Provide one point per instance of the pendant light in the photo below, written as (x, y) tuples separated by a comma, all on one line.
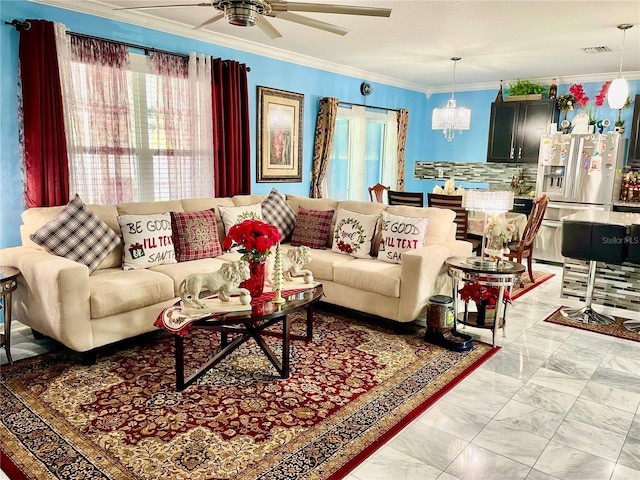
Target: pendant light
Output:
[(619, 88), (451, 117)]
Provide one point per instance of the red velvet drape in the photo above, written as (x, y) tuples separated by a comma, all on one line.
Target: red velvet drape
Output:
[(231, 143), (45, 145)]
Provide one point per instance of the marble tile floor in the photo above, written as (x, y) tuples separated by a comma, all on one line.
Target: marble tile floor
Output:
[(554, 403)]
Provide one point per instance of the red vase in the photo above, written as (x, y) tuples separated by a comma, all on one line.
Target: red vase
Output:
[(255, 283)]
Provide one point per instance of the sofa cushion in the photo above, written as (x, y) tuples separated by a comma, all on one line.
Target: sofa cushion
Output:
[(276, 211), (115, 291), (313, 228), (441, 221), (177, 272), (369, 275), (324, 261), (400, 234), (147, 239), (367, 208), (233, 215), (143, 208), (78, 234), (199, 204), (195, 235), (354, 233), (244, 200)]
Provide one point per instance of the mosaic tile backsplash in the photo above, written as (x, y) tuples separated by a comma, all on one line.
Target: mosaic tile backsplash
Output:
[(499, 176)]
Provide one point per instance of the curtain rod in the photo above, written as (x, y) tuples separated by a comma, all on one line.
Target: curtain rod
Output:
[(26, 26), (368, 106)]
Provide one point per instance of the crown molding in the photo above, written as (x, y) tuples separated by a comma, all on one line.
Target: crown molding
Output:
[(145, 20), (582, 78)]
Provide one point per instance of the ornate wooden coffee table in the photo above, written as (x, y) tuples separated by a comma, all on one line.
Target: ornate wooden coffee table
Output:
[(244, 325)]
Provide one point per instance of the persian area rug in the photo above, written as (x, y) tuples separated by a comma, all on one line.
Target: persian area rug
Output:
[(615, 329), (539, 277), (352, 388)]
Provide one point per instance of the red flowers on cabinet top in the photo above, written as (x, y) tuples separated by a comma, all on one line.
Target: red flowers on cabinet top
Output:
[(254, 236)]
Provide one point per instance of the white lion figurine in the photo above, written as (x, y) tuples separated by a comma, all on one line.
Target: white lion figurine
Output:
[(294, 260), (224, 282)]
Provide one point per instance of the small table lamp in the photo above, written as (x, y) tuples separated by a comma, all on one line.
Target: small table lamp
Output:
[(486, 201)]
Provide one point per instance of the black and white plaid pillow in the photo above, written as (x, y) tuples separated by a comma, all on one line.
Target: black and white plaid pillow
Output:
[(276, 211), (77, 234)]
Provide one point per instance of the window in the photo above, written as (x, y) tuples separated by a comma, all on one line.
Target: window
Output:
[(137, 131), (364, 153)]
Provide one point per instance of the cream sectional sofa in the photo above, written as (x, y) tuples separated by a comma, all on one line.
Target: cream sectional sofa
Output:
[(59, 298)]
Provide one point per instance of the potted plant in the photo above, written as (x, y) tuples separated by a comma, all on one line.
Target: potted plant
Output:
[(485, 299), (525, 90)]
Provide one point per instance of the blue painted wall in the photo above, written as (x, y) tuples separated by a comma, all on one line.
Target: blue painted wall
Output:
[(423, 144)]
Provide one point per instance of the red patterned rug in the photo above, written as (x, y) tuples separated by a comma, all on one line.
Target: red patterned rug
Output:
[(352, 388), (539, 277), (615, 329)]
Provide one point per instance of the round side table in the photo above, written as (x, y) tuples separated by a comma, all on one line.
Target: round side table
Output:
[(505, 275), (8, 283)]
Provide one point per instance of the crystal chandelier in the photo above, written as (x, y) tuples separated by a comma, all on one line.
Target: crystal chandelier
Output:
[(451, 117)]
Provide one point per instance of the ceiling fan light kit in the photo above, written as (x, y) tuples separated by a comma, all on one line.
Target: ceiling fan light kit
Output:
[(244, 13), (451, 117), (247, 13), (619, 88)]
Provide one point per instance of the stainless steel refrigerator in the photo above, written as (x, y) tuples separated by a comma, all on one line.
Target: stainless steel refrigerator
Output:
[(577, 172)]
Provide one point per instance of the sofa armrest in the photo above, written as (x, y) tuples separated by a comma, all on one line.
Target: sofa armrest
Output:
[(52, 295), (420, 271)]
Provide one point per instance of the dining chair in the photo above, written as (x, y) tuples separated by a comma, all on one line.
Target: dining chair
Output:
[(524, 247), (454, 202), (378, 189), (414, 199)]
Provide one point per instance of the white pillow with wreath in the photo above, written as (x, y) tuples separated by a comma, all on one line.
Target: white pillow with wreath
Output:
[(354, 233)]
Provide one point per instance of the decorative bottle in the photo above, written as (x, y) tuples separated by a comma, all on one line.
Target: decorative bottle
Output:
[(499, 96), (553, 90)]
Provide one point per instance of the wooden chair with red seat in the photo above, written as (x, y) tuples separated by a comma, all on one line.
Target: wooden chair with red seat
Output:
[(524, 248), (378, 189)]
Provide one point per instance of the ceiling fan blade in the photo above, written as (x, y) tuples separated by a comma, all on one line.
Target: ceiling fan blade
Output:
[(214, 19), (148, 7), (282, 6), (266, 26), (312, 22)]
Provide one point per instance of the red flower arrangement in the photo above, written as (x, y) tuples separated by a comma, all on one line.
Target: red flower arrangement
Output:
[(482, 295), (254, 236), (577, 91)]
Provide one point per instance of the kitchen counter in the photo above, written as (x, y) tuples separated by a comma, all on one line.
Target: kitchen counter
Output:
[(626, 207), (602, 217), (615, 285)]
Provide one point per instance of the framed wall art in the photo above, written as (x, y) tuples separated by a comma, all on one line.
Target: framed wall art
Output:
[(280, 129)]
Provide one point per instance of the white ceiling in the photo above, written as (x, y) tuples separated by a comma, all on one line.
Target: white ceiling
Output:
[(412, 48)]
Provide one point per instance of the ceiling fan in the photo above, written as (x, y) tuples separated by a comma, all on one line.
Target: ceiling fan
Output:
[(247, 13)]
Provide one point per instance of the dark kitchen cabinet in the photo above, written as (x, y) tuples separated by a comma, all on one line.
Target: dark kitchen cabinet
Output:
[(633, 160), (515, 130)]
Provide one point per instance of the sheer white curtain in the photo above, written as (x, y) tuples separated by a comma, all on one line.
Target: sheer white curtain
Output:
[(99, 127), (182, 143), (390, 153)]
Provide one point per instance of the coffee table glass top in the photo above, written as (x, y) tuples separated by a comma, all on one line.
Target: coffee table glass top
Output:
[(265, 309)]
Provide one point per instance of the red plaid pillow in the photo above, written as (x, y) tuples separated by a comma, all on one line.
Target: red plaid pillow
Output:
[(195, 235), (312, 228)]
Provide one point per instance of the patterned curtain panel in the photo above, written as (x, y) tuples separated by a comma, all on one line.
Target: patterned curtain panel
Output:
[(231, 138), (45, 147), (183, 149), (403, 125), (325, 129), (98, 117)]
